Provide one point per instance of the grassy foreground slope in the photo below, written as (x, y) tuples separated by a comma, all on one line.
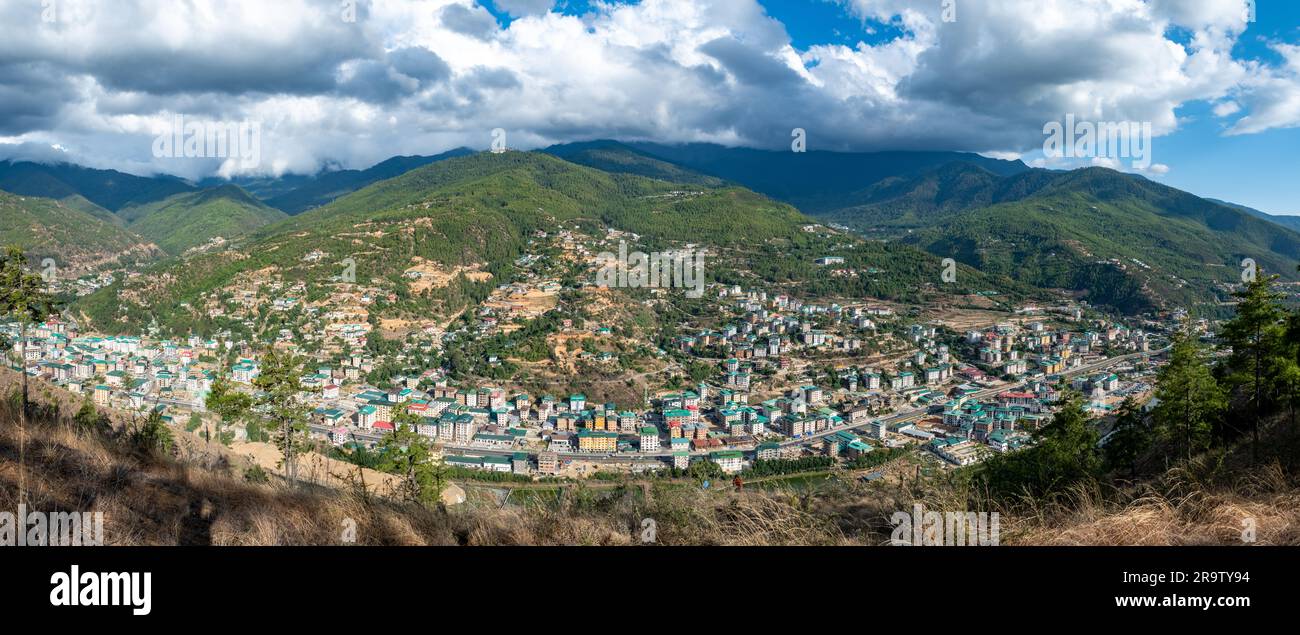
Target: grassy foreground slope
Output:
[(198, 494)]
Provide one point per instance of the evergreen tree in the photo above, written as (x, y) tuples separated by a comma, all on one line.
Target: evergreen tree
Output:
[(1191, 401), (150, 433), (280, 382), (1288, 379), (229, 404), (1129, 440), (88, 417), (1256, 337), (1064, 453), (23, 296), (406, 452)]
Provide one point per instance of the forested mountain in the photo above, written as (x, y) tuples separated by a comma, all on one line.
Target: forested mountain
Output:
[(482, 210), (1287, 221), (1122, 240), (191, 219), (816, 182), (613, 156), (75, 239), (1118, 240), (109, 189), (318, 190)]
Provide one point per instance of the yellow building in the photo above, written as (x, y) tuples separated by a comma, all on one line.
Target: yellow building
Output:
[(597, 441)]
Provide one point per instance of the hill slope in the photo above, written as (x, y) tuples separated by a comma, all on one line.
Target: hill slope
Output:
[(1124, 241), (613, 156), (199, 496), (75, 239), (109, 189), (481, 210), (1289, 222), (325, 187), (191, 219), (817, 182)]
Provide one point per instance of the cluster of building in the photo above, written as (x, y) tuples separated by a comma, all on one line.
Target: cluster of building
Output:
[(961, 396)]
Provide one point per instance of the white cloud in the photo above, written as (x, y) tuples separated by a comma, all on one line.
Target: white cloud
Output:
[(422, 76), (1226, 108), (1272, 95)]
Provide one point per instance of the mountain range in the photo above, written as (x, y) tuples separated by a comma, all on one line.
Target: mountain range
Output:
[(1114, 239)]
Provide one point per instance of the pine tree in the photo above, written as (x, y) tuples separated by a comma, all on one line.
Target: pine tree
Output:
[(406, 452), (88, 417), (1191, 401), (228, 404), (1288, 377), (1130, 438), (23, 296), (1256, 337), (280, 382), (1064, 453)]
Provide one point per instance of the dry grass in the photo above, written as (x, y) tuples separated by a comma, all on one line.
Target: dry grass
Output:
[(187, 497), (1180, 508), (194, 497)]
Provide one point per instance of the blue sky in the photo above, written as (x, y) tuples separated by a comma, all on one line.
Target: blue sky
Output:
[(1258, 170)]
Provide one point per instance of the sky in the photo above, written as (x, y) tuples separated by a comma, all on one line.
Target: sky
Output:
[(1215, 84)]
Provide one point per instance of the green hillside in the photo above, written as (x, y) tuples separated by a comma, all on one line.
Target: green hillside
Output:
[(482, 210), (109, 189), (612, 156), (1287, 221), (816, 181), (323, 188), (188, 220), (48, 228), (79, 202), (1118, 240)]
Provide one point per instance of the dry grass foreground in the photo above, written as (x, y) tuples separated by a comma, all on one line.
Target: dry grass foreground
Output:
[(189, 498)]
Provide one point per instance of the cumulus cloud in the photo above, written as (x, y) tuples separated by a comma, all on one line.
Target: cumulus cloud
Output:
[(421, 76), (471, 20), (520, 8), (1272, 95)]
